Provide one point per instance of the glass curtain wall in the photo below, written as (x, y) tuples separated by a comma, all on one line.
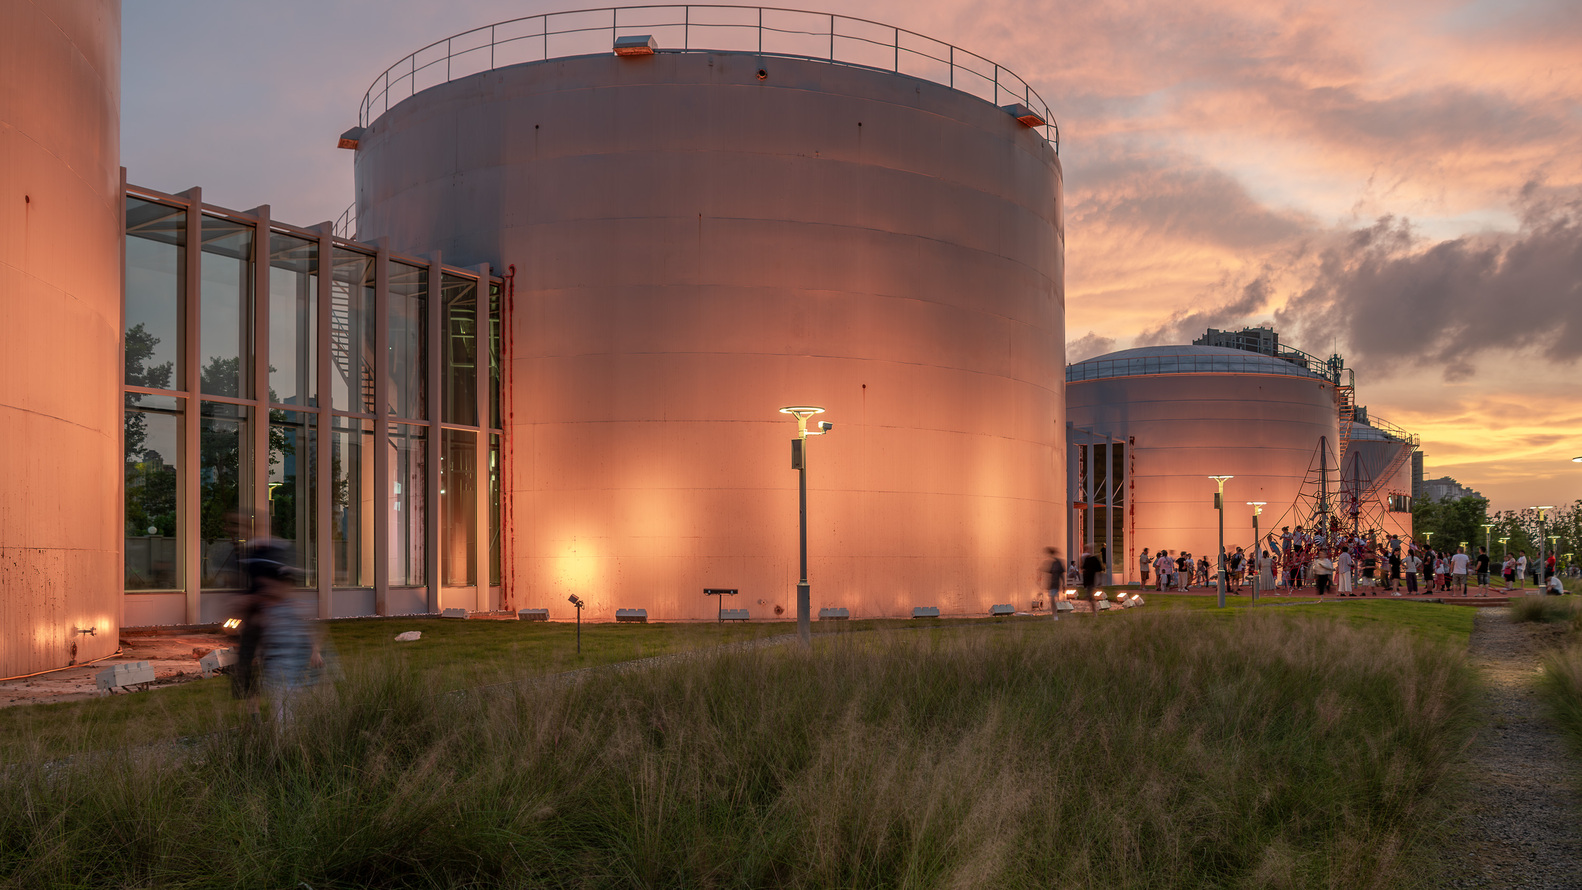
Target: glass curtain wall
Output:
[(156, 244), (204, 333), (351, 501), (408, 505), (460, 405), (154, 488), (459, 508)]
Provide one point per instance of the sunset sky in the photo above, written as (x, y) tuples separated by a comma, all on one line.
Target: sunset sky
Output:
[(1398, 182)]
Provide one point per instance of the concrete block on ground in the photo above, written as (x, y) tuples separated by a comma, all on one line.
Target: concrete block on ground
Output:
[(532, 614), (834, 614), (639, 616), (411, 636), (211, 663), (121, 676), (925, 611), (1002, 609), (733, 614), (453, 613)]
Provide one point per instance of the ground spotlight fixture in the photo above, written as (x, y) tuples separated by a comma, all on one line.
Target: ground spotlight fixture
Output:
[(233, 623), (574, 601)]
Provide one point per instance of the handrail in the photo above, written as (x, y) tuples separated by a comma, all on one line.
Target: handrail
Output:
[(346, 224), (1391, 430), (790, 33)]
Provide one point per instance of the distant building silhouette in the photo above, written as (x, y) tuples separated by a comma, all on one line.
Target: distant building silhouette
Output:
[(1444, 489), (1264, 341)]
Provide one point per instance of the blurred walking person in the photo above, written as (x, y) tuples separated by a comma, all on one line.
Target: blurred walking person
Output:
[(1053, 578)]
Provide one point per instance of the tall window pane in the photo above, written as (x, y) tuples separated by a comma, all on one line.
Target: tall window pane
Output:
[(292, 499), (293, 319), (156, 239), (227, 308), (351, 494), (408, 504), (352, 307), (460, 374), (459, 506), (494, 510), (408, 340), (224, 468), (494, 356), (153, 492)]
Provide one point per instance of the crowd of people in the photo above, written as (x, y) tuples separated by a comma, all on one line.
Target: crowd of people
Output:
[(1346, 565)]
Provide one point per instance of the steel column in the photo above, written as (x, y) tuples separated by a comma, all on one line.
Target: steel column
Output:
[(323, 481), (381, 371), (192, 383), (480, 453), (432, 382)]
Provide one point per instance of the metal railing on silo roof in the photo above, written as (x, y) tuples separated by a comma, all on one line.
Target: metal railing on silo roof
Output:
[(762, 30)]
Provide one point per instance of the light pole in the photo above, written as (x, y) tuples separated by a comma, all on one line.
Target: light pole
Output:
[(1540, 572), (1488, 543), (1428, 537), (1504, 550), (1219, 504), (577, 601), (1257, 547), (804, 627)]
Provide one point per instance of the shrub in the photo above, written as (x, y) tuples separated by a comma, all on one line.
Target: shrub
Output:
[(1544, 609)]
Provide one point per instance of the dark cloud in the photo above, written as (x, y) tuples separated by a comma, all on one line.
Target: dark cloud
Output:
[(1396, 299), (1185, 325), (1087, 346), (1177, 198)]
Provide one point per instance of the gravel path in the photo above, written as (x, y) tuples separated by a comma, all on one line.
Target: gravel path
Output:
[(1524, 826)]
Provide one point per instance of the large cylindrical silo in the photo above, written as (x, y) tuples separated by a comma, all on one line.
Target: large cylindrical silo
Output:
[(1191, 412), (701, 238), (60, 283)]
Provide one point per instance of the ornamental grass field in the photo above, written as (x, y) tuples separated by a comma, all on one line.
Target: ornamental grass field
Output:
[(1269, 749)]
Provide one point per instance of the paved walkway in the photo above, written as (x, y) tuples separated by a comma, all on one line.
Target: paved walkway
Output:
[(1524, 828)]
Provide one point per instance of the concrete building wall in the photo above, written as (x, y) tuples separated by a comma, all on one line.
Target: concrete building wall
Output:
[(697, 246), (1262, 429), (60, 330)]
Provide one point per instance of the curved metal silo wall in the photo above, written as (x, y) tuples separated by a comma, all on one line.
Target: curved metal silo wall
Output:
[(697, 247), (60, 299), (1264, 429)]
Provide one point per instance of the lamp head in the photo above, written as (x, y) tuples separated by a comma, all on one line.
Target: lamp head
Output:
[(802, 413), (574, 600)]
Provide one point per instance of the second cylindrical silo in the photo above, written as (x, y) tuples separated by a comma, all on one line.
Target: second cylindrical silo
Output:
[(1187, 413), (702, 238)]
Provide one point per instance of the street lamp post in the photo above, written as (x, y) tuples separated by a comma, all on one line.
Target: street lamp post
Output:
[(1257, 547), (1219, 504), (804, 597), (1540, 572), (1504, 550)]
